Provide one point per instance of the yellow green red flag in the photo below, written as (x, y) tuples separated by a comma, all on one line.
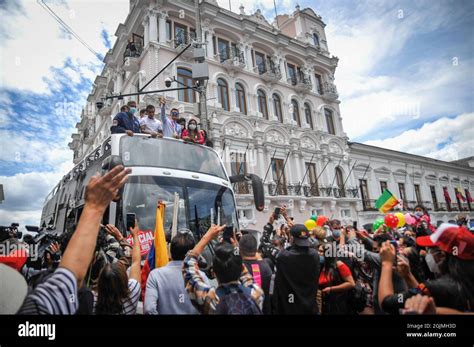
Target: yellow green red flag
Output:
[(386, 201)]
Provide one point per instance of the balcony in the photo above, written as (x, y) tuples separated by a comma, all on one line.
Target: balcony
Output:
[(234, 61), (269, 72), (131, 57), (243, 188), (312, 191), (181, 40), (368, 205), (330, 91), (302, 83)]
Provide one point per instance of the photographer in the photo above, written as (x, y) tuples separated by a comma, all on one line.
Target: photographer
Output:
[(236, 292)]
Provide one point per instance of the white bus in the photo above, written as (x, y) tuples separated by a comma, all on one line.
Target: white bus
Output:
[(160, 167)]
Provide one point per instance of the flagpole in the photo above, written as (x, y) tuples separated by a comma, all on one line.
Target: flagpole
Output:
[(306, 172)]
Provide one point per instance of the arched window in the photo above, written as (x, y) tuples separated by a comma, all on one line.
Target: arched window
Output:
[(277, 107), (329, 121), (262, 103), (307, 115), (240, 98), (340, 182), (223, 94), (315, 39), (185, 76), (296, 112)]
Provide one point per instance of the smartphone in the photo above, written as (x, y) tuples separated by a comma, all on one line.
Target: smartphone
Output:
[(354, 225), (277, 212), (131, 218), (228, 233)]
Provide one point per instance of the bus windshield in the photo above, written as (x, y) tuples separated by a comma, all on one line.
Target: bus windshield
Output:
[(146, 151), (199, 203)]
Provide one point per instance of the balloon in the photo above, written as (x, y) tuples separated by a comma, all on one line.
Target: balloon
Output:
[(378, 222), (401, 219), (310, 224), (409, 219), (321, 220), (391, 220), (314, 217)]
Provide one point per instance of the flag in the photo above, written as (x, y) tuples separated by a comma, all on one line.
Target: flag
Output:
[(468, 196), (459, 194), (386, 201), (447, 198), (161, 250)]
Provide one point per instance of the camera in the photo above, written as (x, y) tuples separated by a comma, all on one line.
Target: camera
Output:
[(168, 82), (99, 104)]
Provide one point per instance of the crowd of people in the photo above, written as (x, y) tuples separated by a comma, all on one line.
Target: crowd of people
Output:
[(330, 269), (130, 121)]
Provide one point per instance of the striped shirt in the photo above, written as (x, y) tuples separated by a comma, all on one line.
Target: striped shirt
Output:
[(56, 295), (130, 303), (204, 296)]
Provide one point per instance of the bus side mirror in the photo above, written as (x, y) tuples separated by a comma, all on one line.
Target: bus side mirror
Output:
[(257, 188)]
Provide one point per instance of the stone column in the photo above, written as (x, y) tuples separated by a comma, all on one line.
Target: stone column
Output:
[(153, 24), (210, 44), (163, 15), (283, 69), (146, 31)]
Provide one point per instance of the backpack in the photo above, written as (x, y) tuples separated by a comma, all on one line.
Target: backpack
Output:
[(358, 297), (236, 299)]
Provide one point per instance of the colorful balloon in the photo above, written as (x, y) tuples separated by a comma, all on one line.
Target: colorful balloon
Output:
[(401, 219), (321, 220), (310, 224), (391, 220), (409, 219), (314, 217), (378, 222)]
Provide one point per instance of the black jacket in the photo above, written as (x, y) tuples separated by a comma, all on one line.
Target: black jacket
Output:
[(296, 281)]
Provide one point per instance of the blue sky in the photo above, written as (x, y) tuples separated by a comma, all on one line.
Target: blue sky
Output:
[(405, 72)]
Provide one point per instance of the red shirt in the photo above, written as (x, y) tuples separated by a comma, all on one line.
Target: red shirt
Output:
[(325, 279), (199, 138)]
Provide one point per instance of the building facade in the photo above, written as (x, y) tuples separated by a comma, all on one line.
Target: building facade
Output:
[(273, 110)]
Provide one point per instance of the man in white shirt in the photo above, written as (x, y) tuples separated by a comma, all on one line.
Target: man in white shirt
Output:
[(149, 124)]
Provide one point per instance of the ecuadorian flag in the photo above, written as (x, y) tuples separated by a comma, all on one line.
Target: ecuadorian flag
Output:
[(386, 201)]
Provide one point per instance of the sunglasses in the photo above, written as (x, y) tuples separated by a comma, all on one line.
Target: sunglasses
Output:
[(174, 113)]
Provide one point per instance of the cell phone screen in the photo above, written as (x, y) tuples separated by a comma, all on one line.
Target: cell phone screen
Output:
[(131, 217), (228, 233), (277, 212)]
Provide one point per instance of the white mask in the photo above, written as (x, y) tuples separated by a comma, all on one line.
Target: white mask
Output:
[(432, 264), (192, 127)]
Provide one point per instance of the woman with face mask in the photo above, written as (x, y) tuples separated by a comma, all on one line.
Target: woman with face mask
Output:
[(192, 133), (450, 257), (422, 225)]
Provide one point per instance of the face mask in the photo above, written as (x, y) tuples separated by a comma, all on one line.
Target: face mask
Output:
[(336, 233), (418, 214), (432, 264), (192, 127), (133, 110), (321, 260)]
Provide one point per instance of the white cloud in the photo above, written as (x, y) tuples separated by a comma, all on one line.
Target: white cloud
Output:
[(445, 139), (36, 42), (419, 90)]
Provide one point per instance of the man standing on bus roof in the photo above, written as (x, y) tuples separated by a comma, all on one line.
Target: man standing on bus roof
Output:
[(126, 122), (149, 124), (171, 128)]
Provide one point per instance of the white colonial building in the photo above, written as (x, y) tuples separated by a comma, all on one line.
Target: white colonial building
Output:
[(272, 106)]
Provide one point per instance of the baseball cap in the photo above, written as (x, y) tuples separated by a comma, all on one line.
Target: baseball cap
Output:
[(300, 235), (450, 238)]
